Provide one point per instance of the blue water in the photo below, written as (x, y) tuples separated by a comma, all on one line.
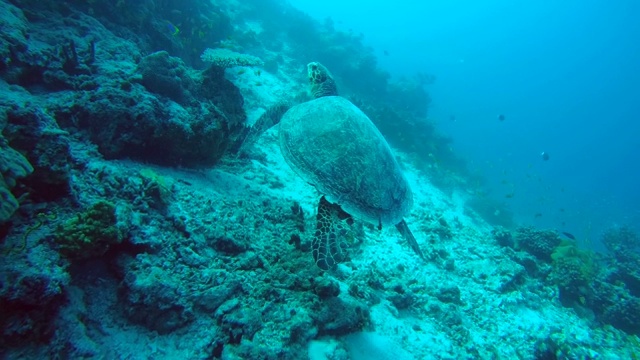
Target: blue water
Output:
[(565, 76)]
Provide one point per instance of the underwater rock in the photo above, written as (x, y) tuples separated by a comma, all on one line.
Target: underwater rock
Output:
[(449, 294), (140, 126), (326, 288), (95, 89), (237, 322), (47, 147), (228, 245), (30, 297), (167, 76), (14, 33), (503, 236), (338, 316), (13, 166), (402, 301), (151, 298)]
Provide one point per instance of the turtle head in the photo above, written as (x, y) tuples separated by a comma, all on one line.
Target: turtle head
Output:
[(320, 80)]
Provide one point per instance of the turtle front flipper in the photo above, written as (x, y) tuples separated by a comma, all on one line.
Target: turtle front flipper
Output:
[(249, 135), (408, 235), (333, 225)]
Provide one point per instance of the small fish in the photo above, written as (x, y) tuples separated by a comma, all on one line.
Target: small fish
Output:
[(545, 156), (537, 215), (569, 235), (172, 28), (501, 117), (257, 72), (510, 195), (385, 52), (452, 118)]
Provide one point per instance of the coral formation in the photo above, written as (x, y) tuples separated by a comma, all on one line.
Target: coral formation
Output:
[(540, 243), (573, 271), (226, 58)]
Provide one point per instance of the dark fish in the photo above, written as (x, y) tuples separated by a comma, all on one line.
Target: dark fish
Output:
[(385, 52), (501, 117), (452, 118), (570, 236), (545, 156), (538, 215)]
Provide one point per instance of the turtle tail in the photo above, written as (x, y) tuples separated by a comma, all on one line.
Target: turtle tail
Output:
[(332, 227)]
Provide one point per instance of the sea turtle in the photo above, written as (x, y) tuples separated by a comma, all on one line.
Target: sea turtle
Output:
[(333, 145)]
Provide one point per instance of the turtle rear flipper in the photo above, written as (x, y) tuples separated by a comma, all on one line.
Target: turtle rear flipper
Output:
[(408, 235), (332, 228)]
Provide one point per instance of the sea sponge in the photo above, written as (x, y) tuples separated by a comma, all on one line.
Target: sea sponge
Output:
[(226, 58)]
